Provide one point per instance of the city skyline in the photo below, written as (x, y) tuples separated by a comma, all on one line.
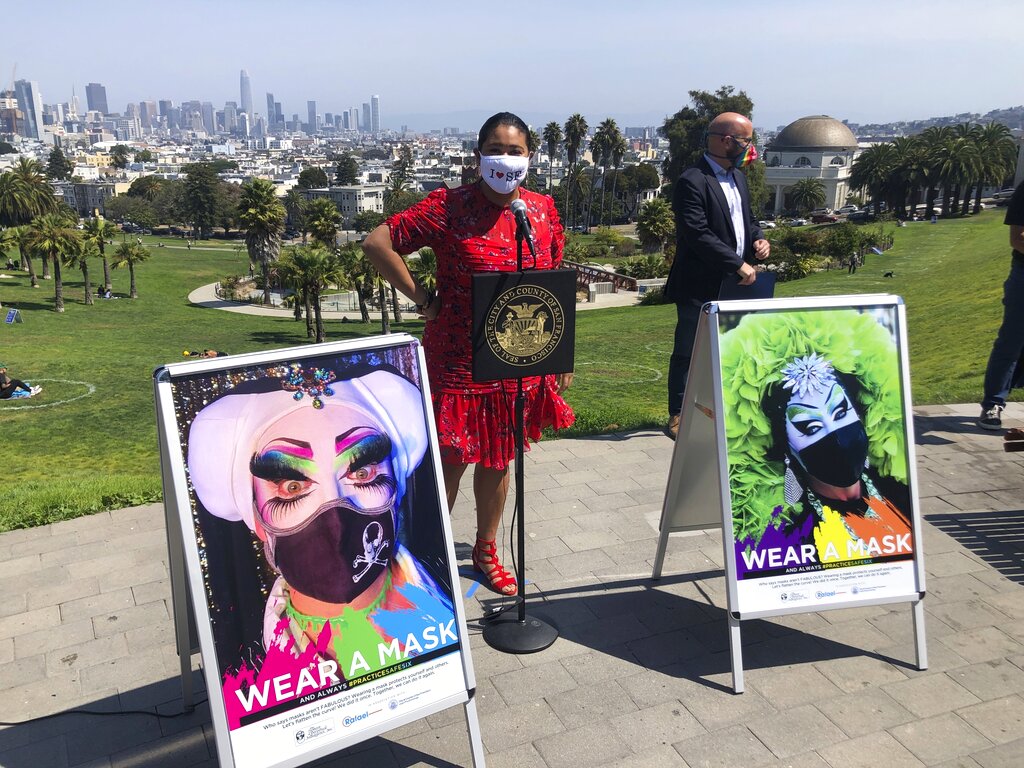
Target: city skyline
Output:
[(884, 62)]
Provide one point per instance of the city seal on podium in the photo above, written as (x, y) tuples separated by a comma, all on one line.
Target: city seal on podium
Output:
[(524, 325)]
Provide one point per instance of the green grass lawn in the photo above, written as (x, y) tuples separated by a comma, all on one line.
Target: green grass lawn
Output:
[(99, 451)]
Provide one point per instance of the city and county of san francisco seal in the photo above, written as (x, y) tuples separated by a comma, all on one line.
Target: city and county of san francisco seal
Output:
[(524, 325)]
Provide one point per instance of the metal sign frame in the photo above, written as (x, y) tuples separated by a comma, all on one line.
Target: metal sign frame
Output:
[(698, 494), (334, 716)]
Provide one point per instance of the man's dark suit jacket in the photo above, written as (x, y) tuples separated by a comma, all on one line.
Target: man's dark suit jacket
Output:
[(705, 240)]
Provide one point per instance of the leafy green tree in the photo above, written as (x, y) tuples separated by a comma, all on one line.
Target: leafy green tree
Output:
[(617, 149), (655, 225), (807, 194), (400, 200), (97, 231), (347, 171), (201, 198), (228, 197), (119, 156), (575, 131), (129, 254), (841, 240), (367, 221), (169, 202), (262, 215), (313, 178), (144, 156), (137, 210), (686, 127), (58, 166), (552, 138), (323, 219), (55, 236)]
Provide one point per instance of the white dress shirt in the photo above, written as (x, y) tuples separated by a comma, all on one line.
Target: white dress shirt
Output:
[(732, 197)]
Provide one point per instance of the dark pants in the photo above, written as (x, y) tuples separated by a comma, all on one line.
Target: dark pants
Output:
[(1009, 343), (687, 317), (12, 384)]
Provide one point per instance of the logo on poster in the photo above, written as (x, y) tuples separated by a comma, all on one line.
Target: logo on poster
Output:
[(353, 719), (300, 736)]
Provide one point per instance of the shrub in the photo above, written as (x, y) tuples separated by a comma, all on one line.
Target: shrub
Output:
[(644, 267)]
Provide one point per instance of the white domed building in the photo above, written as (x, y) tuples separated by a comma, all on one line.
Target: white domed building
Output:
[(818, 147)]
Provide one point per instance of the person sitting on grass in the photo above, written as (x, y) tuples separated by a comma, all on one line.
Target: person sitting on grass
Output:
[(9, 387)]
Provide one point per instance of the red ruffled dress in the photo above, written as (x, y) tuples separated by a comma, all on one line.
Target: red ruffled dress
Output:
[(469, 233)]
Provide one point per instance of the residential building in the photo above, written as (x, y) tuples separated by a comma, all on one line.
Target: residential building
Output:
[(91, 196), (351, 200)]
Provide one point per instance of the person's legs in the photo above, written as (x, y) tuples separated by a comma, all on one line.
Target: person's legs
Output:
[(490, 489), (13, 385), (687, 317), (452, 474), (1007, 347)]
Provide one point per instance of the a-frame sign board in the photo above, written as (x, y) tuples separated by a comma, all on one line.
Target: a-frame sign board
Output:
[(312, 558), (796, 437)]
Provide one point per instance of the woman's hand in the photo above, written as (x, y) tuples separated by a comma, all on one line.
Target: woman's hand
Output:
[(432, 310), (563, 381)]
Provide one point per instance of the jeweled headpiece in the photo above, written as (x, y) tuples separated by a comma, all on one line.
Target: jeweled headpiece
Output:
[(811, 373)]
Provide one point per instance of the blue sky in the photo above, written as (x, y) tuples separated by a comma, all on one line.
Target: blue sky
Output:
[(449, 63)]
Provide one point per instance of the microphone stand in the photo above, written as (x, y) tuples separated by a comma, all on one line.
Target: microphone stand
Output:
[(519, 634)]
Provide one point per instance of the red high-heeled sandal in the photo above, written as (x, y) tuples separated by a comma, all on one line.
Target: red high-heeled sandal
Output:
[(485, 560)]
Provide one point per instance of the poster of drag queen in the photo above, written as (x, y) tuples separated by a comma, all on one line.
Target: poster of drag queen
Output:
[(322, 542), (817, 442)]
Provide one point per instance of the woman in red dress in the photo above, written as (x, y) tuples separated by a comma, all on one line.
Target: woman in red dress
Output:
[(472, 229)]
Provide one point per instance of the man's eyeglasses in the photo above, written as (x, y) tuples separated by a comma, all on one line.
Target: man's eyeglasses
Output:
[(743, 141)]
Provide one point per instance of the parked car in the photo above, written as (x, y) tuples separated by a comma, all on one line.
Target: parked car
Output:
[(821, 211), (766, 224), (847, 209), (797, 222), (824, 218), (861, 216)]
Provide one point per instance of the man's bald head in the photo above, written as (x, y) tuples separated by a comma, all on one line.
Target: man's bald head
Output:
[(728, 136)]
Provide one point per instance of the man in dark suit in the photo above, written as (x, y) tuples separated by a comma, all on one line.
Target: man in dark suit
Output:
[(717, 239)]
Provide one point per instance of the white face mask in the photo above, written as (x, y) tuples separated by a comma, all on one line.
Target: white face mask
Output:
[(503, 173)]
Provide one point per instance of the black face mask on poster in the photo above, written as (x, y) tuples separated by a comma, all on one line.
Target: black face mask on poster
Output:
[(339, 554), (838, 458)]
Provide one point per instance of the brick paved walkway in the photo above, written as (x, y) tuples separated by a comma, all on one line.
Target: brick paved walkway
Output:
[(640, 674)]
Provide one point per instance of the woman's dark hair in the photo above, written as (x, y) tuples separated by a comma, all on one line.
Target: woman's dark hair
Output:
[(502, 118), (774, 406)]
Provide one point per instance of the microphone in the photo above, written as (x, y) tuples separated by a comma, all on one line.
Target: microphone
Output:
[(523, 222)]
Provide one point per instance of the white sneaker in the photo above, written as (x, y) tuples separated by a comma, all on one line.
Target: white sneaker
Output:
[(35, 390)]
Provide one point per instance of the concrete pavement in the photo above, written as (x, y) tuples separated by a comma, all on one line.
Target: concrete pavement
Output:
[(640, 673)]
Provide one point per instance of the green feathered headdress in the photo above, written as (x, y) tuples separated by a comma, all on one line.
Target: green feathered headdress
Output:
[(753, 356)]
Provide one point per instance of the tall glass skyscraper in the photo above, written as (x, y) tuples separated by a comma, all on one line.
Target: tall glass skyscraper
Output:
[(96, 98), (31, 104), (375, 114), (246, 88)]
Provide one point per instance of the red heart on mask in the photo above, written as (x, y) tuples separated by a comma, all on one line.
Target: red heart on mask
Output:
[(499, 174)]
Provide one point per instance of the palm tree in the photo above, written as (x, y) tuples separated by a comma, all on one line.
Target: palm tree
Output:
[(21, 235), (315, 268), (98, 231), (31, 174), (655, 225), (128, 255), (934, 139), (323, 218), (960, 161), (618, 151), (575, 131), (355, 265), (873, 170), (998, 152), (424, 268), (808, 194), (262, 215), (909, 174), (296, 206), (57, 239), (552, 137), (25, 194), (81, 260)]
